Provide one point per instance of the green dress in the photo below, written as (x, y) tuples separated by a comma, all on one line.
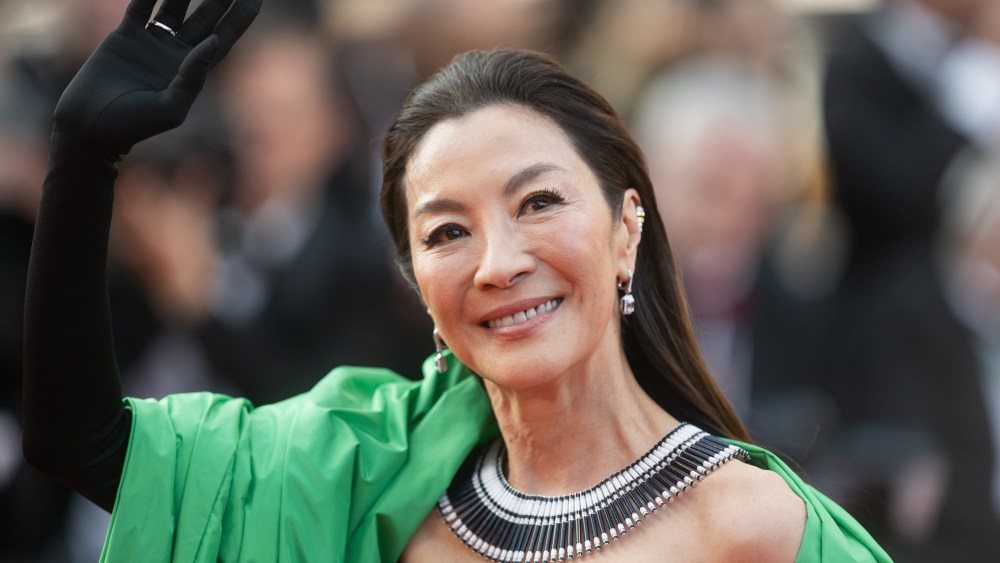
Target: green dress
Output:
[(344, 472)]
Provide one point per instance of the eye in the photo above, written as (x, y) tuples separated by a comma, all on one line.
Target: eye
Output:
[(442, 234), (540, 200)]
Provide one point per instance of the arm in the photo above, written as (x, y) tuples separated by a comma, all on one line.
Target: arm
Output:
[(139, 82)]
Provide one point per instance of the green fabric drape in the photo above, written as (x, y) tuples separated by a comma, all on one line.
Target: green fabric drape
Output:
[(344, 472), (831, 534)]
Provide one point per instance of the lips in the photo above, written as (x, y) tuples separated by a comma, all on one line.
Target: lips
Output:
[(525, 315)]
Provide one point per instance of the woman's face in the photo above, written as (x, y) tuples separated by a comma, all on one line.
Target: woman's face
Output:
[(515, 250)]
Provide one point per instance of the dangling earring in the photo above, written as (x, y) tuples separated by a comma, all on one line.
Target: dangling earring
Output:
[(627, 301), (640, 216), (439, 359)]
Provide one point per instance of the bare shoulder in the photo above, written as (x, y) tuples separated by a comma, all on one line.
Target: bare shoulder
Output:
[(752, 514)]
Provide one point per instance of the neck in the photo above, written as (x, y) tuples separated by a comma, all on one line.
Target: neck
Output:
[(574, 431)]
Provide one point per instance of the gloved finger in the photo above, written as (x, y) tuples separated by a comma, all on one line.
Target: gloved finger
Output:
[(239, 18), (202, 21), (139, 11), (172, 12), (190, 79)]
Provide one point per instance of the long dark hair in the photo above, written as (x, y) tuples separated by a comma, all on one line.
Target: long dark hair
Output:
[(658, 338)]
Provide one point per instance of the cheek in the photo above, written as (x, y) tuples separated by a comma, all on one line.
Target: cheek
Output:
[(584, 253), (440, 279)]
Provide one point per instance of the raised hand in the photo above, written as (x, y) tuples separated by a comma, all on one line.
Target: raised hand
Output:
[(145, 75)]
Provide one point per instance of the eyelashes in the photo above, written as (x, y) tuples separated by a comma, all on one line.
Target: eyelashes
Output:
[(541, 199), (444, 233), (535, 202)]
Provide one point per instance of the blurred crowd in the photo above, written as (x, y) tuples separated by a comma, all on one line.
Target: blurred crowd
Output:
[(830, 181)]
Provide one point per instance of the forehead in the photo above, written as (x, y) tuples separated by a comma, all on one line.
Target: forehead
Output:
[(485, 147)]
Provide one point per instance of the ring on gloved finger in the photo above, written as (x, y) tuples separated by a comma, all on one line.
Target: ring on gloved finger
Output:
[(161, 25)]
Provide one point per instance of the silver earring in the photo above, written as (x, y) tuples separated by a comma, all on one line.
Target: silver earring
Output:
[(439, 359), (640, 216), (627, 301)]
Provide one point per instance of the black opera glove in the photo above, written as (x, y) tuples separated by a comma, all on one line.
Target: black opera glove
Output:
[(144, 77), (140, 81)]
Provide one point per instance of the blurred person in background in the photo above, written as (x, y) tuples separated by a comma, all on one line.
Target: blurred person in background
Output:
[(291, 274), (907, 89), (969, 258), (48, 43), (735, 154), (732, 127), (623, 43), (721, 164)]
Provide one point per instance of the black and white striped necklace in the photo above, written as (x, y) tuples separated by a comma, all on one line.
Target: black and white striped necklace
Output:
[(503, 524)]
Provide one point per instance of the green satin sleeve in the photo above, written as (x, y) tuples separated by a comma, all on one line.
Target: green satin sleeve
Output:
[(831, 534), (345, 472)]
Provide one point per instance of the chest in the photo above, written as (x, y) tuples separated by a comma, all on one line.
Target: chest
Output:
[(670, 534)]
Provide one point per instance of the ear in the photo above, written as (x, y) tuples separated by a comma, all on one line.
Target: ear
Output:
[(630, 232)]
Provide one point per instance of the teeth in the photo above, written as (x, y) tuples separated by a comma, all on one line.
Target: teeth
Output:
[(522, 316)]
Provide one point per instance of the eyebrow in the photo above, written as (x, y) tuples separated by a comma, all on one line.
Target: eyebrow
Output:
[(510, 187), (526, 175)]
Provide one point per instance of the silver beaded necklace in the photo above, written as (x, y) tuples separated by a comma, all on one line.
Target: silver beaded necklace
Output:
[(500, 523)]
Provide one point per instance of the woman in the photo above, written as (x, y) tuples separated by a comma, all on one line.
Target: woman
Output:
[(519, 206)]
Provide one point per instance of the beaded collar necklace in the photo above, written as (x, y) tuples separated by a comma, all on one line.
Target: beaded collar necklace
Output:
[(503, 524)]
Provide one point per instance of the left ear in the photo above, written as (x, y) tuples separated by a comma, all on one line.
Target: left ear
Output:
[(630, 232)]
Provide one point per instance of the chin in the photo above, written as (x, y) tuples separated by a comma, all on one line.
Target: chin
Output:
[(520, 373)]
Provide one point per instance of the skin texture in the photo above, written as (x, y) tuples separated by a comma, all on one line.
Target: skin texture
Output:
[(504, 215)]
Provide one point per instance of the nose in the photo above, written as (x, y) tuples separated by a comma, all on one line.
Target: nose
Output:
[(505, 259)]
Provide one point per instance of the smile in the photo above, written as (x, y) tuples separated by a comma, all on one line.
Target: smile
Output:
[(525, 315)]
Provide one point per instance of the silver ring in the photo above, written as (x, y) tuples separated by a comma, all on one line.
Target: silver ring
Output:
[(162, 25)]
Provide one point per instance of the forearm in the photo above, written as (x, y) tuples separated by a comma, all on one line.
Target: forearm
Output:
[(75, 427)]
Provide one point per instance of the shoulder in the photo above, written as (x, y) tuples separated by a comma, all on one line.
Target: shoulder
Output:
[(751, 514)]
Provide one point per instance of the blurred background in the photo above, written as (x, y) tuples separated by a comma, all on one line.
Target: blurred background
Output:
[(828, 171)]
